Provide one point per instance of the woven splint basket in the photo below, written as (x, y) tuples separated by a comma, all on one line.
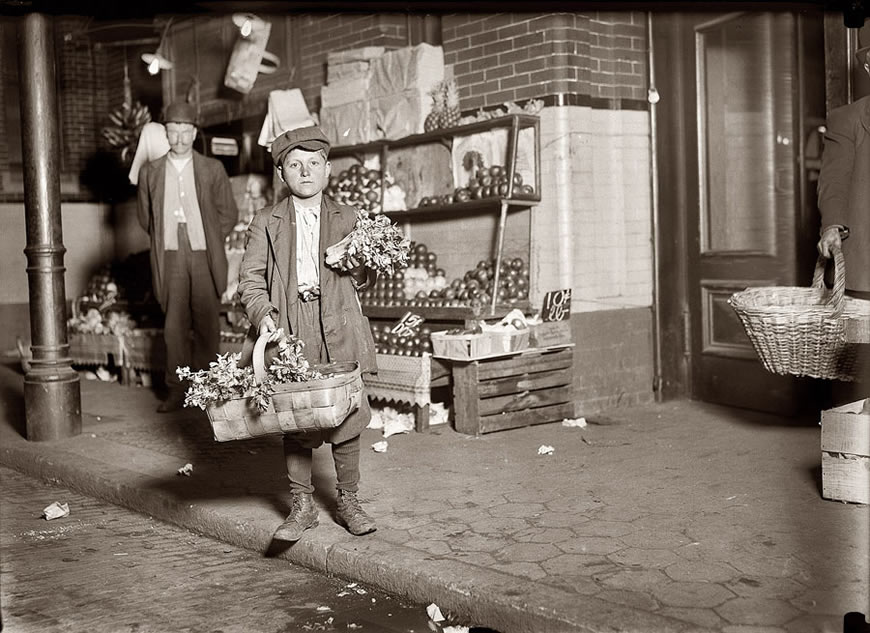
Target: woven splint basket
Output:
[(296, 406), (801, 331)]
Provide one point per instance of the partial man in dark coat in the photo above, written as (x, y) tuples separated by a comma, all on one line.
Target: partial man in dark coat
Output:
[(844, 204), (187, 207), (286, 286)]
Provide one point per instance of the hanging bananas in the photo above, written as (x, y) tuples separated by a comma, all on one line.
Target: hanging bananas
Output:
[(127, 122)]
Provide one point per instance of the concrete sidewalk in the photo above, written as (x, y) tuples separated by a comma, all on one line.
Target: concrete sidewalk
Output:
[(674, 517)]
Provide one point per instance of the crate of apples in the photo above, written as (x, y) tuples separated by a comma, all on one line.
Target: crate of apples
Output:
[(387, 342)]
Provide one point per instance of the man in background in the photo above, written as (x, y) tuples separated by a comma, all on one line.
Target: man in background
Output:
[(187, 207)]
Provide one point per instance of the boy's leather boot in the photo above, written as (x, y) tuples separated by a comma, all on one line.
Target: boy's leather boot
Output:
[(303, 515), (351, 515)]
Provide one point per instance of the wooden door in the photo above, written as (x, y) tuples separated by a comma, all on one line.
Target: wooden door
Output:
[(749, 210)]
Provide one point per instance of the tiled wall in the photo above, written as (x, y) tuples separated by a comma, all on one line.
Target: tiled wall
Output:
[(592, 231)]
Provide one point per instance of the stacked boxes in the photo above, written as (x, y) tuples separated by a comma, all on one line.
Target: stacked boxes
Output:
[(374, 94), (846, 453), (344, 100)]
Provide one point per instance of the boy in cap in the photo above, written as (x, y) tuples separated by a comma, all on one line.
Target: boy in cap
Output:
[(186, 205), (286, 286)]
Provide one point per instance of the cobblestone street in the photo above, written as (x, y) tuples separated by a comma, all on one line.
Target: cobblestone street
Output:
[(104, 569)]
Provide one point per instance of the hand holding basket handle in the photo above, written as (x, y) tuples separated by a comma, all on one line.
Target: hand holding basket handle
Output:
[(837, 300)]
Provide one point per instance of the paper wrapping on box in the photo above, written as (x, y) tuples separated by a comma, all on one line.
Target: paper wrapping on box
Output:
[(396, 116), (347, 70), (401, 379), (363, 54), (286, 111), (344, 91), (492, 146), (411, 68), (347, 124)]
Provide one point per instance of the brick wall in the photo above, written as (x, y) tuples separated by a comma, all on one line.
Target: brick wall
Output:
[(322, 34), (515, 57)]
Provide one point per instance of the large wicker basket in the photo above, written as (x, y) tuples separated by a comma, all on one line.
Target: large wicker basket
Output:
[(296, 406), (801, 331)]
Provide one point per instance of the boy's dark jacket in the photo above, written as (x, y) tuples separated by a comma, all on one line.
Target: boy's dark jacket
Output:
[(268, 285)]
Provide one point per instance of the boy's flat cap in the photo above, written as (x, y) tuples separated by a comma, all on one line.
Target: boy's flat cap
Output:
[(311, 138)]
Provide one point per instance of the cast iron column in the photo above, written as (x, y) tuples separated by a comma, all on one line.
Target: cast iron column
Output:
[(52, 394)]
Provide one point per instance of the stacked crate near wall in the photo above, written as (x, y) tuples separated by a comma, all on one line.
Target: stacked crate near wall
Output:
[(532, 387), (846, 453)]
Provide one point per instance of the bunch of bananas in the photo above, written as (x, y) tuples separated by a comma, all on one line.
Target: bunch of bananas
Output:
[(127, 122)]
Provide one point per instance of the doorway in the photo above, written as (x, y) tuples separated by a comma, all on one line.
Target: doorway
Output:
[(745, 94)]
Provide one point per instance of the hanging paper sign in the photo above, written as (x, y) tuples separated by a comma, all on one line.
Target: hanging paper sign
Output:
[(557, 305), (408, 325)]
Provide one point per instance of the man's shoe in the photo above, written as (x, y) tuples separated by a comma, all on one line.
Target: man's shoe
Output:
[(303, 515), (351, 515), (174, 402)]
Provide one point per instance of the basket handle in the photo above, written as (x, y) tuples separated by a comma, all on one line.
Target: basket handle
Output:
[(837, 299), (259, 359)]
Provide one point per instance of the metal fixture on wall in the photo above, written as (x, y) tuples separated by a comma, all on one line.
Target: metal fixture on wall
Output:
[(157, 60), (247, 23)]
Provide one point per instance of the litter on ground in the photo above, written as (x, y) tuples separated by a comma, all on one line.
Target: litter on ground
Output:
[(55, 511)]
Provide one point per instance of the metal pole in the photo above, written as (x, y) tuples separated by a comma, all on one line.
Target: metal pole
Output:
[(52, 394)]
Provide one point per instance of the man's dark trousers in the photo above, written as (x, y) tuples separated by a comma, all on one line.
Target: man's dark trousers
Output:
[(192, 324)]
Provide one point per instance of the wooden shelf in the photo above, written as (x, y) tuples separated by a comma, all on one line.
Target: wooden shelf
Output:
[(437, 211), (442, 313), (521, 120)]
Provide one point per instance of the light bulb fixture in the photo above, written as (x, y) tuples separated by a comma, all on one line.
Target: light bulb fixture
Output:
[(157, 61), (247, 22)]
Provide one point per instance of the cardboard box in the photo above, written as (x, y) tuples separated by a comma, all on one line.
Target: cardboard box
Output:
[(347, 124), (845, 446), (550, 333)]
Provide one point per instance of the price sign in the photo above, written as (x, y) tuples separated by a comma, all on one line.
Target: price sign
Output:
[(408, 325), (557, 305)]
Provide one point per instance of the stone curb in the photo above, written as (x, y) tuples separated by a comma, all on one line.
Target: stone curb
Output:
[(498, 600)]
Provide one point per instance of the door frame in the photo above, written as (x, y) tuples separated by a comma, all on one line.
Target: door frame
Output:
[(678, 181)]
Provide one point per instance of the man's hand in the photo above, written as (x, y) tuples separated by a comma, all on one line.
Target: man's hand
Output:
[(830, 240), (268, 328)]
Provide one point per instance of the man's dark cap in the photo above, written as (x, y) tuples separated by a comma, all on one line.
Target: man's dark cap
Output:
[(311, 138), (180, 112)]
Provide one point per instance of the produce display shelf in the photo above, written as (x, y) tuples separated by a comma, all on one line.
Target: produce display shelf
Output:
[(434, 211), (442, 313), (520, 120)]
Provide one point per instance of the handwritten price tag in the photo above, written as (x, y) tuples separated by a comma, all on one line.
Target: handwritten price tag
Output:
[(408, 325), (557, 305)]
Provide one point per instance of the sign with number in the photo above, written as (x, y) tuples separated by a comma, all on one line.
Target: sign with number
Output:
[(408, 325), (557, 305)]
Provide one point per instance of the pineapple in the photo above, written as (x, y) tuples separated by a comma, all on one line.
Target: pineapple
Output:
[(435, 119), (451, 103)]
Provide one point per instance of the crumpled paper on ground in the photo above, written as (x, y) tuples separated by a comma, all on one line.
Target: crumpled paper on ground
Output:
[(380, 447), (186, 470), (545, 450), (578, 422), (55, 511)]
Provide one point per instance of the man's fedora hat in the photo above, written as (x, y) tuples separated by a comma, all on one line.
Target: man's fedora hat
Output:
[(311, 138), (180, 112)]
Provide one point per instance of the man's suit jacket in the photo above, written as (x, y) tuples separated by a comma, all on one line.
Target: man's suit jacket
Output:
[(844, 186), (268, 286), (217, 207)]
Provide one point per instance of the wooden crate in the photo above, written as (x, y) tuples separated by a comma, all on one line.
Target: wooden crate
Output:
[(846, 453), (532, 387), (549, 333)]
